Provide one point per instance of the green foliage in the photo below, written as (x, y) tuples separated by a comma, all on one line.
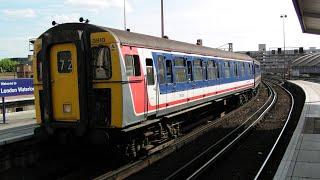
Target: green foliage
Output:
[(7, 65)]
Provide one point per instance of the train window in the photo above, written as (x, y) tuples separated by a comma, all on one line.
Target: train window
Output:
[(198, 70), (129, 65), (236, 71), (64, 62), (161, 69), (132, 65), (169, 78), (136, 60), (212, 70), (189, 71), (242, 69), (180, 70), (150, 73), (101, 62), (227, 69)]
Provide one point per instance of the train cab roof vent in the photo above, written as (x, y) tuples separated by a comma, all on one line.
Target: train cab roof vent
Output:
[(54, 23), (199, 42)]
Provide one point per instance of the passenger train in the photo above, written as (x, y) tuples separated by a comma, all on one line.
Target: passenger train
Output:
[(126, 87)]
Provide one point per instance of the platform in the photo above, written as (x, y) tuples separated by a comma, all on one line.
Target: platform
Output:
[(302, 157), (18, 98), (18, 126)]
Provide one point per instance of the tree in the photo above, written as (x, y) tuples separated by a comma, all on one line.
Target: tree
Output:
[(7, 65)]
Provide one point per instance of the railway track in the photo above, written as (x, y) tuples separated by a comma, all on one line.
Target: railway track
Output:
[(248, 159), (195, 167), (135, 167)]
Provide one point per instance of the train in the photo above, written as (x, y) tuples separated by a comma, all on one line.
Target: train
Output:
[(119, 86)]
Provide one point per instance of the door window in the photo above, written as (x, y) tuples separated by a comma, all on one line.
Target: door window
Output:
[(150, 73), (64, 62)]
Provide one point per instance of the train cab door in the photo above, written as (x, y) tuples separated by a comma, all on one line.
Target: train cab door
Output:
[(64, 82), (152, 99)]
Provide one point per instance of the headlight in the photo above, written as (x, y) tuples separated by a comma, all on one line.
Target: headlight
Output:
[(66, 108)]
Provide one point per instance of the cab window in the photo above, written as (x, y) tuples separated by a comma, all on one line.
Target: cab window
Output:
[(101, 62), (64, 62)]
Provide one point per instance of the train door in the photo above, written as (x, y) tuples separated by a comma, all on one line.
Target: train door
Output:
[(180, 79), (170, 85), (190, 81), (161, 89), (212, 76), (64, 82), (199, 83)]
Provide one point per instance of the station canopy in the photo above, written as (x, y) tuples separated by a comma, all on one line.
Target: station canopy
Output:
[(308, 60), (308, 12)]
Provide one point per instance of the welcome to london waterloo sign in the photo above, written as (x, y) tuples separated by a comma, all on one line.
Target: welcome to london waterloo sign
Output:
[(16, 87)]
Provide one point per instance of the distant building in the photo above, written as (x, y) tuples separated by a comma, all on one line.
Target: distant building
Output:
[(275, 60), (24, 70), (20, 59)]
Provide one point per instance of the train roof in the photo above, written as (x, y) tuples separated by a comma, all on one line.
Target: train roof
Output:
[(152, 42), (147, 41)]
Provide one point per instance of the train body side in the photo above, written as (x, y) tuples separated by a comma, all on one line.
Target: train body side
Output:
[(148, 94)]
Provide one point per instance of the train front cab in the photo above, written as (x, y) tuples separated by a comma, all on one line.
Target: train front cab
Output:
[(76, 82)]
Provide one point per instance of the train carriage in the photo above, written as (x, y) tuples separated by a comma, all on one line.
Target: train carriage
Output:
[(91, 78)]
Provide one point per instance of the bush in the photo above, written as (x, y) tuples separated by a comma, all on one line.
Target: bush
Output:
[(7, 65)]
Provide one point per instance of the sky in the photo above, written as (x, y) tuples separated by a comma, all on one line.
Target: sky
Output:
[(245, 23)]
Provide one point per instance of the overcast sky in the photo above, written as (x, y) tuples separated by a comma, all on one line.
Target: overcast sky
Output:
[(245, 23)]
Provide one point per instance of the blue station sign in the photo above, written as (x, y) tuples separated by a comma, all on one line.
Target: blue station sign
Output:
[(16, 87)]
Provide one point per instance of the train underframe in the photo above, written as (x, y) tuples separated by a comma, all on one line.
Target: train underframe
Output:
[(161, 133)]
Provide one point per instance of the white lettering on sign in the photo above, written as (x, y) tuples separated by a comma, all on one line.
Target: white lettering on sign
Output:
[(7, 83), (14, 90)]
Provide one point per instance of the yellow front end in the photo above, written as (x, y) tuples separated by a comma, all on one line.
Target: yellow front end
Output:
[(105, 39), (65, 91)]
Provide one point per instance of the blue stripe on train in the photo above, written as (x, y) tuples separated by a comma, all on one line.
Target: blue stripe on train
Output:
[(188, 85)]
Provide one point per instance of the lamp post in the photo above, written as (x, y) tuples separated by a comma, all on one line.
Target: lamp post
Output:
[(162, 23), (283, 16), (124, 15)]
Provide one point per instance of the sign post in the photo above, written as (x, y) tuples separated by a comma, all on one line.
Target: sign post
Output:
[(14, 87)]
